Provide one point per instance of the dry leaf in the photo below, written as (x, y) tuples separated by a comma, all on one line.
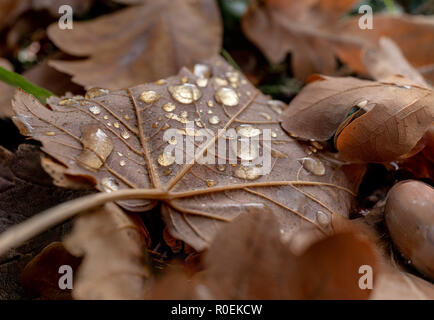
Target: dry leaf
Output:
[(302, 188), (388, 60), (390, 117), (139, 44), (113, 246), (312, 32)]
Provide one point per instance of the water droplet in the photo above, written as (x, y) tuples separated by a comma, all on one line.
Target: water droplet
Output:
[(209, 112), (248, 131), (248, 173), (95, 92), (125, 134), (105, 117), (227, 97), (214, 120), (220, 82), (202, 82), (220, 167), (199, 123), (166, 159), (233, 77), (120, 154), (97, 146), (323, 218), (95, 110), (122, 163), (362, 103), (265, 115), (127, 117), (168, 107), (173, 116), (245, 150), (273, 134), (210, 104), (190, 132), (66, 102), (184, 114), (160, 82), (149, 96), (211, 183), (276, 105), (109, 184), (109, 124), (202, 71), (50, 133), (184, 79), (313, 165), (116, 125), (185, 93), (317, 145)]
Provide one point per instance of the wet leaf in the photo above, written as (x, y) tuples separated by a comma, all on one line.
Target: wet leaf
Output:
[(115, 140), (139, 44), (387, 118), (113, 248)]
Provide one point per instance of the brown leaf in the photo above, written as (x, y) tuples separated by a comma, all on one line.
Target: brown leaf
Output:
[(388, 60), (302, 189), (125, 48), (390, 118), (113, 246), (25, 189), (41, 275), (312, 32)]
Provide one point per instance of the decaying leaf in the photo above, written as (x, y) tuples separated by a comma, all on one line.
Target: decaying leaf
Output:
[(25, 190), (371, 121), (248, 260), (113, 245), (139, 44), (312, 32), (115, 140)]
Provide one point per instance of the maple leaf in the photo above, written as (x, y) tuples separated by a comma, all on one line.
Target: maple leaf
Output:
[(25, 189), (125, 48), (128, 158), (371, 121), (312, 32)]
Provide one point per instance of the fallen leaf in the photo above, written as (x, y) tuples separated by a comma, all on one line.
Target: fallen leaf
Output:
[(125, 48), (389, 120), (113, 248), (25, 189), (302, 189), (40, 276)]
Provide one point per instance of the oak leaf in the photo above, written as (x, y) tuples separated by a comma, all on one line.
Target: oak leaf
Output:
[(129, 159), (371, 121), (125, 48)]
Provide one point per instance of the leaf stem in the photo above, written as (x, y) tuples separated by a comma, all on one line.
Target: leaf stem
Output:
[(18, 81)]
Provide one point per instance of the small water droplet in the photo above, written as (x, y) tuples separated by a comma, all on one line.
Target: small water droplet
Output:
[(172, 141), (109, 184), (214, 120), (186, 93), (202, 70), (127, 117), (233, 77), (160, 82), (199, 123), (125, 134), (95, 110), (173, 116), (227, 97), (209, 112), (248, 173), (211, 183), (362, 103), (95, 92), (168, 107), (184, 79), (166, 159), (276, 105), (120, 154), (323, 218), (202, 82), (116, 125), (220, 82), (106, 117), (265, 115), (149, 96), (210, 104), (97, 146), (220, 167), (313, 165), (66, 102), (273, 134), (50, 133), (248, 131), (184, 114), (122, 163)]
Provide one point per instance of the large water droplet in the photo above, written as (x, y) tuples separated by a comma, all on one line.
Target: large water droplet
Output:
[(248, 131), (97, 146), (166, 159), (109, 184), (248, 173), (95, 92), (185, 93), (313, 165), (149, 96), (227, 97)]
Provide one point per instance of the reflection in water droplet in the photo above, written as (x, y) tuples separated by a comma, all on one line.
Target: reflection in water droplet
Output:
[(166, 159), (169, 107), (125, 134), (109, 184), (323, 218), (97, 146), (211, 183), (185, 93), (95, 92), (149, 96), (248, 131), (313, 165), (50, 133), (276, 105), (248, 173), (227, 97), (214, 120), (95, 110), (122, 163)]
